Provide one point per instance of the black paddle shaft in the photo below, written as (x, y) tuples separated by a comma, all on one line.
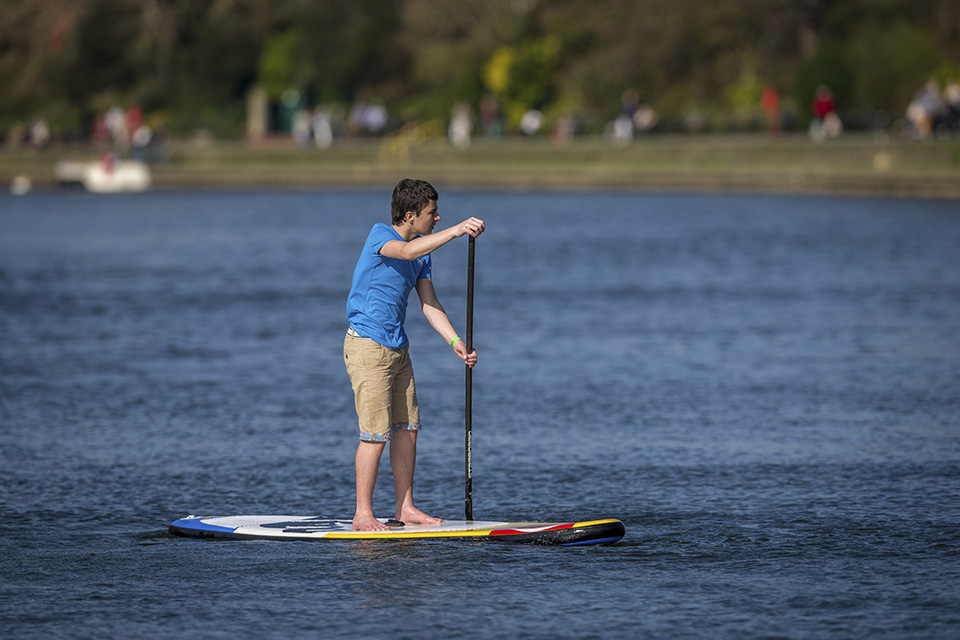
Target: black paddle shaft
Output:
[(468, 391)]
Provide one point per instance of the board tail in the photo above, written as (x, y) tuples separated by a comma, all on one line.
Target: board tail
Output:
[(572, 534)]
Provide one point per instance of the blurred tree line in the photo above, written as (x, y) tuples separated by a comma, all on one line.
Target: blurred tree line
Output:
[(191, 63)]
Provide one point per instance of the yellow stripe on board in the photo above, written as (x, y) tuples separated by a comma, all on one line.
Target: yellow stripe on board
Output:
[(593, 522), (462, 533)]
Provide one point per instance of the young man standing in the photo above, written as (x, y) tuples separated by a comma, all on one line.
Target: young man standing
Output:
[(395, 260)]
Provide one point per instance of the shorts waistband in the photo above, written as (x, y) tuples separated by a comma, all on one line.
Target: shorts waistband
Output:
[(353, 333)]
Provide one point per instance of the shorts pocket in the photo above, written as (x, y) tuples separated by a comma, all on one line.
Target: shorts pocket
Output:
[(367, 354)]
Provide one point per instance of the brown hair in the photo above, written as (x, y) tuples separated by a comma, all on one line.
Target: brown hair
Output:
[(411, 195)]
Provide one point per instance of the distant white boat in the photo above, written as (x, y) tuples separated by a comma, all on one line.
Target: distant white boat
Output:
[(106, 175)]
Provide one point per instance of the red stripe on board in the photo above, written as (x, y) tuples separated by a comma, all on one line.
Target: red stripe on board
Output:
[(508, 532)]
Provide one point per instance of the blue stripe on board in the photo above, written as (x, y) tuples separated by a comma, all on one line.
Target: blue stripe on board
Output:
[(196, 524)]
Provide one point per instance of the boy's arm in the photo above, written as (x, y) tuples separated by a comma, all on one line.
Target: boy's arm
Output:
[(437, 317), (423, 245)]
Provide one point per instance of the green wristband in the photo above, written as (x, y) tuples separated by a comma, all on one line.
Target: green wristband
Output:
[(454, 341)]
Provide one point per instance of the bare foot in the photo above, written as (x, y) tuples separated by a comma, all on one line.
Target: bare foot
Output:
[(412, 515), (368, 523)]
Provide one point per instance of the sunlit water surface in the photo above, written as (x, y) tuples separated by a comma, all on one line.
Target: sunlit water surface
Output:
[(766, 390)]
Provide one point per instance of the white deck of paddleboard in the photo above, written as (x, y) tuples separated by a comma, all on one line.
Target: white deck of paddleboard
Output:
[(280, 526)]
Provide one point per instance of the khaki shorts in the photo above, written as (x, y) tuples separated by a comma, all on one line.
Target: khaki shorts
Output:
[(383, 388)]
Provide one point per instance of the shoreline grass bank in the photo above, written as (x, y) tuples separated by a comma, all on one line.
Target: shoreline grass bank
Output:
[(856, 164)]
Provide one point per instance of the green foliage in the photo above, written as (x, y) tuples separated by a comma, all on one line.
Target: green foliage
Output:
[(744, 94), (890, 63), (523, 78), (106, 63), (946, 72), (196, 61), (496, 73), (531, 79), (277, 63)]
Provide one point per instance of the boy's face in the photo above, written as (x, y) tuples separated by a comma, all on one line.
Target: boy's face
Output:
[(426, 219)]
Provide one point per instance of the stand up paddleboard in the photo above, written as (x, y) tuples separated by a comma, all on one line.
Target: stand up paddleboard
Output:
[(316, 528)]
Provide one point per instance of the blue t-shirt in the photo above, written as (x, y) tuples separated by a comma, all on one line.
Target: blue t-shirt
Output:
[(377, 304)]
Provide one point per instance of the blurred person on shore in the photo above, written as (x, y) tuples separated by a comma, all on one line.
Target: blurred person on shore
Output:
[(490, 120), (623, 127), (302, 129), (823, 104), (621, 130), (563, 130), (108, 162), (770, 102), (115, 120), (357, 119), (645, 118), (932, 100), (368, 118), (134, 120), (826, 122), (322, 128), (531, 122), (951, 95), (139, 141), (461, 125), (376, 117), (927, 112), (917, 123), (39, 133)]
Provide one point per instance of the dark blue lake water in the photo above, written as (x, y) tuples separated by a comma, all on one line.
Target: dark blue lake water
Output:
[(766, 390)]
